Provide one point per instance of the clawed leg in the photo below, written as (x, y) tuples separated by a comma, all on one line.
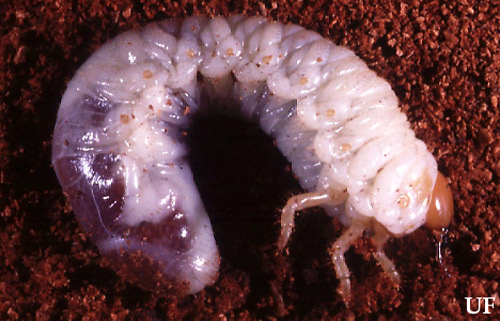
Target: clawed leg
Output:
[(302, 201), (380, 237), (337, 251), (294, 204)]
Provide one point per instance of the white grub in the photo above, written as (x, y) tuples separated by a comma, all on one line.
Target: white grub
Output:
[(119, 152)]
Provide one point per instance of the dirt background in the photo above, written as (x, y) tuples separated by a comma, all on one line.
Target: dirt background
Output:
[(443, 63)]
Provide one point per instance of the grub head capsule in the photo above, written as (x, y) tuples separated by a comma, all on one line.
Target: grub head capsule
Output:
[(440, 211)]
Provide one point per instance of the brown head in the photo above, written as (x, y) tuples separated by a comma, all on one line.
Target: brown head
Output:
[(440, 210)]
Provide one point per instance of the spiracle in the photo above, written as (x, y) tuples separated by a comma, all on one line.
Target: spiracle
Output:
[(119, 145)]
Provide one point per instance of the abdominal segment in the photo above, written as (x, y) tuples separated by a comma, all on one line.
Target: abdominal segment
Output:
[(96, 190)]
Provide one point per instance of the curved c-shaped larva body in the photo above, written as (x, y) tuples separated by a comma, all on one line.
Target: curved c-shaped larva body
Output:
[(119, 149)]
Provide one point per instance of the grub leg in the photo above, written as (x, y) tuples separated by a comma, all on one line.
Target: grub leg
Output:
[(294, 204), (380, 237), (337, 251)]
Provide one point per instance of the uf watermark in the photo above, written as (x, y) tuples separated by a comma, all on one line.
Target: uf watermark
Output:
[(489, 304)]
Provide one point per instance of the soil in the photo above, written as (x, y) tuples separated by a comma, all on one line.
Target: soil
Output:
[(442, 60)]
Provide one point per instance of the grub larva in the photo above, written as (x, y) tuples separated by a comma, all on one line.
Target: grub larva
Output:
[(120, 155)]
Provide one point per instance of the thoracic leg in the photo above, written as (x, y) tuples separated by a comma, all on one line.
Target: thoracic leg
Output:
[(380, 237), (302, 201), (337, 251), (294, 204)]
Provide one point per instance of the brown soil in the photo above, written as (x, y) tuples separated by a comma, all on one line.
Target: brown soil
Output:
[(443, 63)]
